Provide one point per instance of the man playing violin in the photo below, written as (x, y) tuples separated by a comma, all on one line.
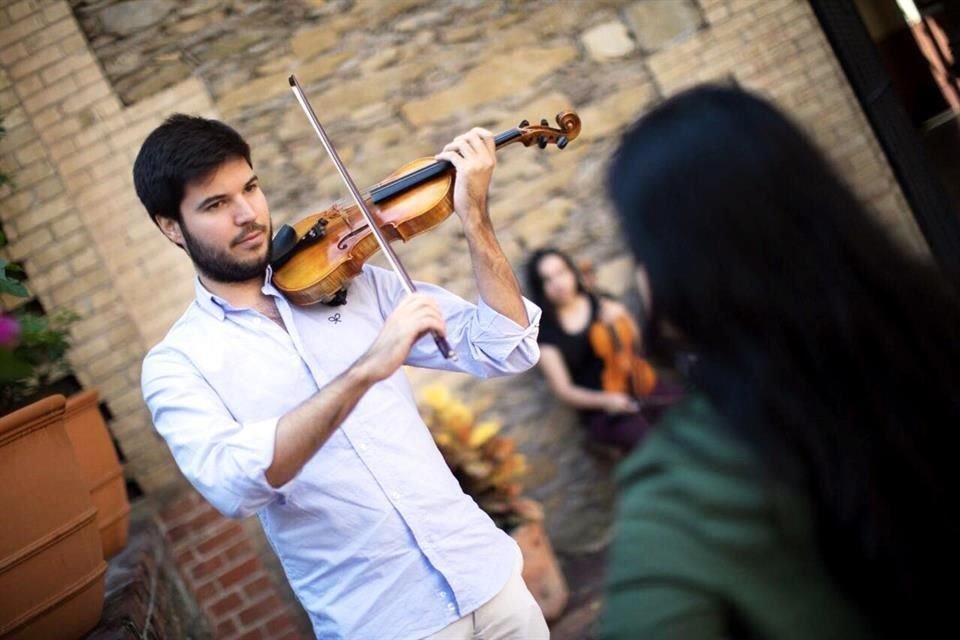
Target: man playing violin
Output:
[(302, 415)]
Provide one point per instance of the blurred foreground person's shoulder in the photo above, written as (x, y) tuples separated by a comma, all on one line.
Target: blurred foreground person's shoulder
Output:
[(709, 547)]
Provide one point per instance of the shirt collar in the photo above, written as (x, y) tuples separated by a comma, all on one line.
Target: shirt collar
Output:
[(217, 306)]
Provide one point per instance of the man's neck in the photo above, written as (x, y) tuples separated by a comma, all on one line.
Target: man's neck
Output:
[(241, 295)]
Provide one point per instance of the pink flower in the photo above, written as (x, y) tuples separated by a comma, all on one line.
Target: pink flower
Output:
[(9, 331)]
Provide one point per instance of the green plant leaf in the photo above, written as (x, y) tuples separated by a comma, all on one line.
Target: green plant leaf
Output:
[(13, 287), (10, 285), (6, 265), (12, 368)]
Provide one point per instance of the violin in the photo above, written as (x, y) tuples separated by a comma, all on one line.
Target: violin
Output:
[(624, 369), (315, 258)]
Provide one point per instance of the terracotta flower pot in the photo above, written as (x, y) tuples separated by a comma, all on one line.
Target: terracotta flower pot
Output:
[(101, 469), (541, 571), (51, 562)]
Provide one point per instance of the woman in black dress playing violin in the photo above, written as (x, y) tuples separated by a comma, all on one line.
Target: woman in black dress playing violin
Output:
[(589, 354)]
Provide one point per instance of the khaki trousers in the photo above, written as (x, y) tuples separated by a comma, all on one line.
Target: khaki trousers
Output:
[(512, 614)]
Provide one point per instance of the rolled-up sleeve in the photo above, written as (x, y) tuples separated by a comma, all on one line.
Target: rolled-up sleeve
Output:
[(225, 460), (486, 342), (502, 339)]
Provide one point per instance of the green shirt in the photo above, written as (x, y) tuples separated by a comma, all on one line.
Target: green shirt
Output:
[(708, 546)]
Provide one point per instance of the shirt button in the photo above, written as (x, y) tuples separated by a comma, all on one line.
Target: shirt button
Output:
[(363, 446)]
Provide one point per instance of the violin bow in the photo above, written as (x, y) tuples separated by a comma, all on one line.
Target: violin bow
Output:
[(388, 251)]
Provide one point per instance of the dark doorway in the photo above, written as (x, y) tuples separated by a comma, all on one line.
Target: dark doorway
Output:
[(916, 40), (899, 58)]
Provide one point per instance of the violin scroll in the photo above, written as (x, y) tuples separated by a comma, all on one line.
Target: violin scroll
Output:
[(543, 134)]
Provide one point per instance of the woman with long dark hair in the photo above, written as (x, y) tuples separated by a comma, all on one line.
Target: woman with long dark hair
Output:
[(806, 490), (573, 363)]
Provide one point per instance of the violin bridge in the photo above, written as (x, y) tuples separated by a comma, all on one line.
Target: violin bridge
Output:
[(337, 211)]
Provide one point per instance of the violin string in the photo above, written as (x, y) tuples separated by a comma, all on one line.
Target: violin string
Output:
[(392, 258), (442, 345)]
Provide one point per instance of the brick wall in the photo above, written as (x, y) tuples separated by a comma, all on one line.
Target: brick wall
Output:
[(72, 217), (223, 568), (776, 47), (145, 596), (73, 220)]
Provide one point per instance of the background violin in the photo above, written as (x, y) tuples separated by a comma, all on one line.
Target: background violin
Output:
[(624, 369), (316, 257)]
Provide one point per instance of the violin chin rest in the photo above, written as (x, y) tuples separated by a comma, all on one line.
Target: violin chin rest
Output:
[(282, 245)]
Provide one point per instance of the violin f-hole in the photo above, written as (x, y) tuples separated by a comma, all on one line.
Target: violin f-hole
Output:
[(342, 245)]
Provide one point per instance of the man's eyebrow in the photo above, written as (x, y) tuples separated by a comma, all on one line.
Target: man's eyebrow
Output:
[(220, 196), (210, 200)]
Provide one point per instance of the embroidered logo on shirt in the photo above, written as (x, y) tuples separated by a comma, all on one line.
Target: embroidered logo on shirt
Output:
[(335, 318)]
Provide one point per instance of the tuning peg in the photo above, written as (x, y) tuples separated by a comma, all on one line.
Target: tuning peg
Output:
[(524, 124), (542, 142), (544, 122), (562, 142)]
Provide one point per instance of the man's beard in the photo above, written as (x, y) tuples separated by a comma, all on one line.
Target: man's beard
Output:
[(219, 265)]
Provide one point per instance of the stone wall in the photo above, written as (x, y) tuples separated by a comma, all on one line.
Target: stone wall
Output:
[(83, 82)]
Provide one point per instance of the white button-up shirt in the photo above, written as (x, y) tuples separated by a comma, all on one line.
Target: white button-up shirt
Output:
[(374, 533)]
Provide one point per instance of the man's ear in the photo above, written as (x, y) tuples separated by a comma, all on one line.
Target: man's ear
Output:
[(171, 229)]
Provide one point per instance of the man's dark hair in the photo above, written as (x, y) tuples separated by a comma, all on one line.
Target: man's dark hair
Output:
[(183, 149)]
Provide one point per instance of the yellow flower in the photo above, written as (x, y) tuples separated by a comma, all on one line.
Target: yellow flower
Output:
[(478, 469), (436, 396), (458, 418), (520, 464), (512, 468), (483, 432), (486, 463), (499, 448)]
